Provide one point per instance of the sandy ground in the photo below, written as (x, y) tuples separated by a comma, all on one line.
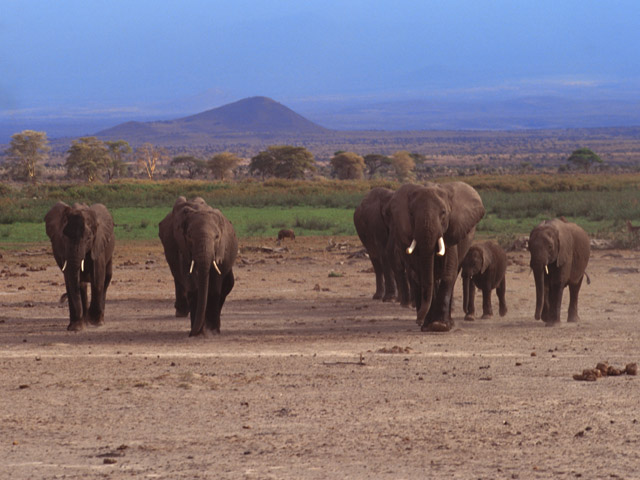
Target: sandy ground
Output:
[(310, 378)]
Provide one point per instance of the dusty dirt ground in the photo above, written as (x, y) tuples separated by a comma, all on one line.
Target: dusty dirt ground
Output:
[(310, 378)]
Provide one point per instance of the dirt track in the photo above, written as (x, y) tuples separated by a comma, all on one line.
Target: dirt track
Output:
[(312, 379)]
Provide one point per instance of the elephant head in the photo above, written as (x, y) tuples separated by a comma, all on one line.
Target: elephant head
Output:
[(550, 248), (208, 247), (82, 239), (427, 222)]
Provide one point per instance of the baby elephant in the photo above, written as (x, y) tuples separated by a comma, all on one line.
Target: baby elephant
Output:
[(285, 233), (484, 267)]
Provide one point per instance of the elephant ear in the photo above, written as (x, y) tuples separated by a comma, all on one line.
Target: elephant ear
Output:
[(466, 211), (101, 224), (487, 258), (565, 243), (55, 221)]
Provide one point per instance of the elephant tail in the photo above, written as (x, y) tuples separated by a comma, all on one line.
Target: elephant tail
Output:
[(588, 279)]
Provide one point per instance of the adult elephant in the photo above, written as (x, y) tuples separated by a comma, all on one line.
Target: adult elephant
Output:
[(559, 256), (434, 225), (82, 240), (206, 247), (373, 231)]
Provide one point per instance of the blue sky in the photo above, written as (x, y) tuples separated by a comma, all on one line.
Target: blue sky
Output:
[(156, 58)]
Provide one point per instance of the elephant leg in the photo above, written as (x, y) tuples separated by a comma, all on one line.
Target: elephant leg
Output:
[(77, 297), (501, 292), (377, 268), (99, 285), (555, 302), (192, 297), (487, 309), (545, 315), (182, 303), (438, 318), (389, 282), (218, 290), (574, 289), (471, 308)]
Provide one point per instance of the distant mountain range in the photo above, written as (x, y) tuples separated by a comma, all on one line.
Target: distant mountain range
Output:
[(250, 117)]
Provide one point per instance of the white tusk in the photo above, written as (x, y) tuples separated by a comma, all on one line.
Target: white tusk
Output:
[(191, 268), (64, 266), (441, 250), (411, 247), (82, 265), (215, 265), (546, 269)]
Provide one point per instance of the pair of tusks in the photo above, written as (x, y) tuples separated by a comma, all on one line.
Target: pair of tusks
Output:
[(215, 265), (440, 252), (81, 265)]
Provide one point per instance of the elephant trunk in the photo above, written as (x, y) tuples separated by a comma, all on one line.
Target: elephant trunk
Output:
[(202, 285), (426, 287), (538, 273)]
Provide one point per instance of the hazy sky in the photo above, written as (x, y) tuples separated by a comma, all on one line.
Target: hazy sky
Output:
[(138, 57)]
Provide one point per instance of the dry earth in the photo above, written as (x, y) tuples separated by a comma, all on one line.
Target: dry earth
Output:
[(310, 378)]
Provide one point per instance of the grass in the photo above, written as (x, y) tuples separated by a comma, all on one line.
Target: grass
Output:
[(514, 204)]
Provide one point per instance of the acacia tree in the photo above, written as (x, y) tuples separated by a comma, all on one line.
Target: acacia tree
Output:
[(148, 157), (376, 162), (25, 153), (221, 164), (584, 158), (348, 166), (116, 166), (283, 161), (403, 164), (193, 165), (87, 158)]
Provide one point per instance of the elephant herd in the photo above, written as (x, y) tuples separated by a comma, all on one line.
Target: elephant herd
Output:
[(418, 238), (200, 246)]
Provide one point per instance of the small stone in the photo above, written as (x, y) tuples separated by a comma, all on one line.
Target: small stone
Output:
[(631, 369)]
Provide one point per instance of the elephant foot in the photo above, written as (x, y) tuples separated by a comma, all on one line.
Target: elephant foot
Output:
[(388, 298), (573, 318), (196, 334), (97, 322), (212, 331), (486, 316), (182, 314), (469, 317), (551, 323), (76, 326), (436, 327), (503, 311), (377, 296)]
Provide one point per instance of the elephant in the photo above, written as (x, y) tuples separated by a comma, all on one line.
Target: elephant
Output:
[(82, 240), (201, 248), (559, 256), (434, 225), (484, 267), (369, 220), (286, 233)]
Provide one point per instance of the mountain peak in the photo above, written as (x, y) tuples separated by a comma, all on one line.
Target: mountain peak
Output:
[(253, 115)]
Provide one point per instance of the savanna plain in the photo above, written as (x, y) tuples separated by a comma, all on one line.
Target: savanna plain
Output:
[(311, 378)]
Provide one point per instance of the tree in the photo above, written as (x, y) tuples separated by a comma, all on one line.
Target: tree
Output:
[(348, 166), (403, 164), (149, 157), (283, 161), (376, 162), (25, 153), (584, 158), (116, 166), (87, 158), (193, 165), (223, 163)]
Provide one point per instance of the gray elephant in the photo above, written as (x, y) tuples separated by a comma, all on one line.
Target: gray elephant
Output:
[(484, 267), (373, 231), (434, 226), (201, 248), (559, 256), (82, 240)]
